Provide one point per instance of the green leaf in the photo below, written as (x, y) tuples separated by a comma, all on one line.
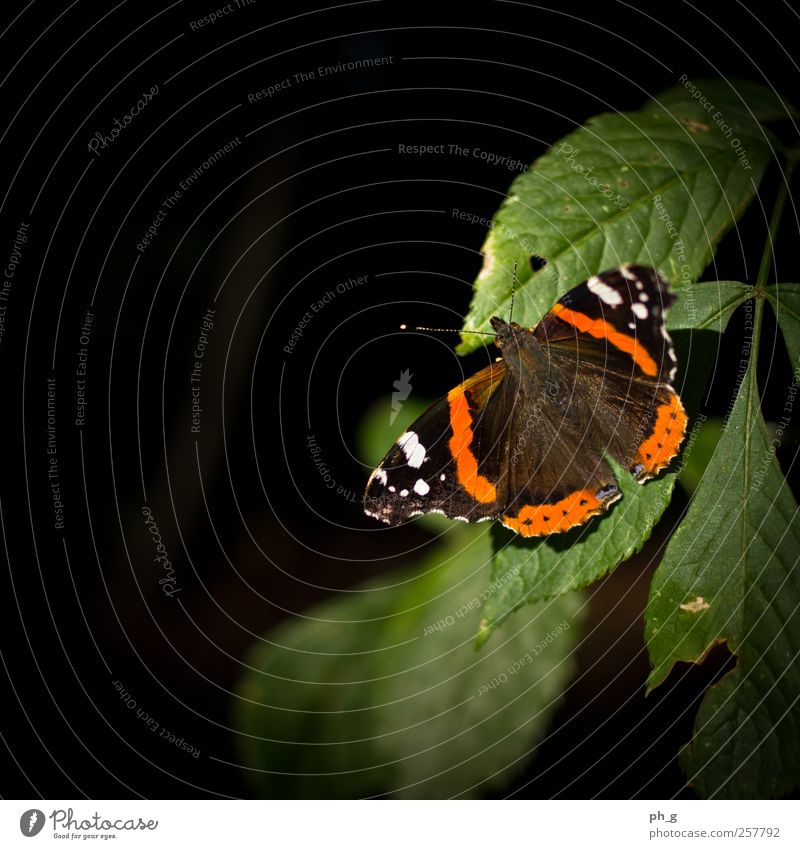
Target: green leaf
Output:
[(706, 306), (785, 299), (724, 98), (529, 570), (730, 574), (381, 692), (660, 186)]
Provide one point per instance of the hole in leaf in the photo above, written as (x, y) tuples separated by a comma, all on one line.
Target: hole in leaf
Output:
[(537, 262)]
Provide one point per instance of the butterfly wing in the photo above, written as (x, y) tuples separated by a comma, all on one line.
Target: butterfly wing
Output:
[(433, 467), (558, 479), (610, 333)]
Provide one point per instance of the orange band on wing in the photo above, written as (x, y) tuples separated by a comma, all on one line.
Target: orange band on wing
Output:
[(601, 329), (668, 432), (476, 485), (574, 509)]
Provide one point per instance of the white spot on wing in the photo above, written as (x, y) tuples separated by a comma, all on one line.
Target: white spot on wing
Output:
[(639, 310), (421, 488), (442, 477), (414, 452), (603, 291), (392, 489), (379, 475), (403, 493)]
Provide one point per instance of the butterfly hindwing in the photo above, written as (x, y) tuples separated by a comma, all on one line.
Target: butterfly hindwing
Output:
[(556, 482)]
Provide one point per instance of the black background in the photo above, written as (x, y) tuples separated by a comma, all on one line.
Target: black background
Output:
[(316, 193)]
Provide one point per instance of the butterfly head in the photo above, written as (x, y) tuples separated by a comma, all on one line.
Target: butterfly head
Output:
[(508, 332)]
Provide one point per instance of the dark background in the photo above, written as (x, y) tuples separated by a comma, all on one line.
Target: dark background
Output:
[(316, 193)]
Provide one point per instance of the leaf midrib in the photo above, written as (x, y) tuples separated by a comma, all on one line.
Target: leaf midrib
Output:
[(748, 435), (782, 305), (727, 308)]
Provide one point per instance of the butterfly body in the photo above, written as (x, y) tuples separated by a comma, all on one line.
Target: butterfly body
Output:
[(525, 440)]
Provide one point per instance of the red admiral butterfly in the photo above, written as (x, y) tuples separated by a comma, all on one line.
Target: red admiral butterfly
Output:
[(523, 440)]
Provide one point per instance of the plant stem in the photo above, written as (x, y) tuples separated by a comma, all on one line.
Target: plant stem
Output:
[(792, 158), (775, 220)]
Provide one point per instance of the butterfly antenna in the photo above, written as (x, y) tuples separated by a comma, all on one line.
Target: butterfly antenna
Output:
[(446, 330), (513, 290)]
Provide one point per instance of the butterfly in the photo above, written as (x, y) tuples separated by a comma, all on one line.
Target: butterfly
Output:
[(525, 439)]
